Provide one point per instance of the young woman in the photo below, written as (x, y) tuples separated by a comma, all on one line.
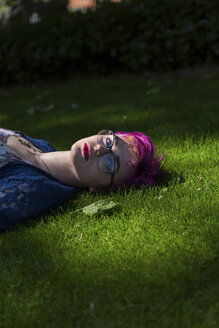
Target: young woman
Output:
[(34, 177)]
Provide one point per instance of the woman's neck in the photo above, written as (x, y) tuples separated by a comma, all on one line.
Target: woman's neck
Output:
[(59, 164)]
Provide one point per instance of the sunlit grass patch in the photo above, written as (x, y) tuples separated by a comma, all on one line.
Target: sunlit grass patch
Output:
[(153, 262)]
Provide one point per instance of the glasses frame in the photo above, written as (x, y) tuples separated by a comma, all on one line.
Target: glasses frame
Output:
[(109, 151)]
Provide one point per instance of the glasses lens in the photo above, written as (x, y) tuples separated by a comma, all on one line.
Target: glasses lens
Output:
[(105, 138), (107, 163)]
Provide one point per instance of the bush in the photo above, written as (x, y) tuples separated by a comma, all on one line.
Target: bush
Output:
[(134, 36)]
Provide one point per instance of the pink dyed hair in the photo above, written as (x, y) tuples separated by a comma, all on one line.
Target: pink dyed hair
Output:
[(144, 159)]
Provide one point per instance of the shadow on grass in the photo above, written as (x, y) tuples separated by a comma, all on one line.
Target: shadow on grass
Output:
[(71, 285), (181, 285), (183, 108)]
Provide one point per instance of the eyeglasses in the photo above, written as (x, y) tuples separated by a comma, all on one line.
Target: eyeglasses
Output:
[(107, 161)]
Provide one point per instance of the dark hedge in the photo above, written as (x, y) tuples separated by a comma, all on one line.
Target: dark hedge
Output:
[(132, 37)]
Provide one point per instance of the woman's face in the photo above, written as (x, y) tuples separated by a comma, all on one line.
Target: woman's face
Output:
[(86, 153)]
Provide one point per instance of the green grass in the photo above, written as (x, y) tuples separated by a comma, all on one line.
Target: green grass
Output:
[(152, 263)]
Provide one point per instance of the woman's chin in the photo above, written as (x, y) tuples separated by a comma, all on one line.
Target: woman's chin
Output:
[(76, 150)]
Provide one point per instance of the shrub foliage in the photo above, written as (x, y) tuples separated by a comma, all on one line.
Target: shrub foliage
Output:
[(128, 36)]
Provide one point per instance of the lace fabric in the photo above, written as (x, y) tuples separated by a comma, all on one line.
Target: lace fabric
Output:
[(6, 154), (25, 190), (14, 147)]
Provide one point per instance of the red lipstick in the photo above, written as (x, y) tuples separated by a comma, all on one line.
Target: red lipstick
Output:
[(86, 151)]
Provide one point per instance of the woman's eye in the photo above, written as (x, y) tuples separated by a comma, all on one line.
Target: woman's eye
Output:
[(109, 164), (108, 142)]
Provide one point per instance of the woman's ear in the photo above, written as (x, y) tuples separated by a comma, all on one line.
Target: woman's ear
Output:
[(92, 190)]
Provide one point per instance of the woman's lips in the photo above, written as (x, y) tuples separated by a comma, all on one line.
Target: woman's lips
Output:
[(86, 151)]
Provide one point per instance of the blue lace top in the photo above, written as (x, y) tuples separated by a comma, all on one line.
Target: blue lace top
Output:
[(27, 191)]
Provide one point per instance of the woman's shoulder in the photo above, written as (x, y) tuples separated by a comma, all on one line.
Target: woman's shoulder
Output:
[(41, 144), (27, 191)]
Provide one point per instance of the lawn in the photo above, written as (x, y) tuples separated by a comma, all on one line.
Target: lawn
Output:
[(154, 261)]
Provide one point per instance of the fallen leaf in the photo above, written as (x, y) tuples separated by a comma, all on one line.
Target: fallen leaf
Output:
[(98, 207), (153, 91), (41, 95), (47, 109), (32, 110), (37, 109)]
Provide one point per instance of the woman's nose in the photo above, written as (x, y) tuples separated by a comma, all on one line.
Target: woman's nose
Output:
[(100, 150)]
